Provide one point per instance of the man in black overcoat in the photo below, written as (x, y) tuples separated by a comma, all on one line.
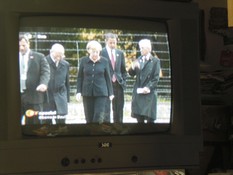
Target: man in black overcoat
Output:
[(59, 86), (147, 70)]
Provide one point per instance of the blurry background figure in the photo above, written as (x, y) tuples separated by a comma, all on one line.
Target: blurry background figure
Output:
[(94, 83), (118, 74), (59, 86), (34, 78), (147, 71)]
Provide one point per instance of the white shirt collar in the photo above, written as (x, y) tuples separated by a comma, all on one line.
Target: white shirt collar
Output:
[(110, 50), (52, 58), (147, 57)]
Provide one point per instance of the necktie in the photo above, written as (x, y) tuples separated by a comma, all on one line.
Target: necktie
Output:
[(113, 66)]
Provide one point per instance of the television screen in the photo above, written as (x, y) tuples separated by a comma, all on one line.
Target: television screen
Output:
[(60, 107)]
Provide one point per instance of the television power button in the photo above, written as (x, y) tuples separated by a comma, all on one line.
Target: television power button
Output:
[(65, 161), (134, 159)]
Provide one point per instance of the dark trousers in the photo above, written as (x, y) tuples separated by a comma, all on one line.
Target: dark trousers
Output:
[(51, 106), (94, 108), (117, 105)]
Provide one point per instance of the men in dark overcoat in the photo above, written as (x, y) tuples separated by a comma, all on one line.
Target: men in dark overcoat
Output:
[(59, 86), (147, 70)]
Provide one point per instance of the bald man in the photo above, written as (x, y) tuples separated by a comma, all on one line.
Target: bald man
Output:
[(59, 86)]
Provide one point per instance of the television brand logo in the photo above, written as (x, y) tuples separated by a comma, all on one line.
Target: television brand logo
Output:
[(105, 145)]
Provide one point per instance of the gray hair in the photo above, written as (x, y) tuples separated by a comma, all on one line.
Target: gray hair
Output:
[(94, 45), (145, 43), (57, 48), (110, 35)]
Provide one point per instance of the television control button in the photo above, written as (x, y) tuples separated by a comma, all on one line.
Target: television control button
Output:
[(83, 160), (93, 160), (65, 162), (76, 161), (134, 159), (99, 160)]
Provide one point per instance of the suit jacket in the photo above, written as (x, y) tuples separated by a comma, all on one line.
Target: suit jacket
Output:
[(38, 73), (148, 76), (120, 70), (59, 86), (94, 78)]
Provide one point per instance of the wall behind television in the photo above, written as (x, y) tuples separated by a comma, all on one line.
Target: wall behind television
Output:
[(214, 42), (215, 45)]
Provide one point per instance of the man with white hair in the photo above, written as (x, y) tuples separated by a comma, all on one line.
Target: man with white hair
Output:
[(59, 86), (146, 68)]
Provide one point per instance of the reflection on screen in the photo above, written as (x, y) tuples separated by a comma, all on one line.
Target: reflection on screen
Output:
[(74, 41)]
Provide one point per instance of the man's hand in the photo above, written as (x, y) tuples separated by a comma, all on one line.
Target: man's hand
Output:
[(78, 96), (111, 97), (42, 88), (135, 64), (146, 90)]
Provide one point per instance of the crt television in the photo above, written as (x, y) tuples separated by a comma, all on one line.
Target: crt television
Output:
[(174, 140)]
